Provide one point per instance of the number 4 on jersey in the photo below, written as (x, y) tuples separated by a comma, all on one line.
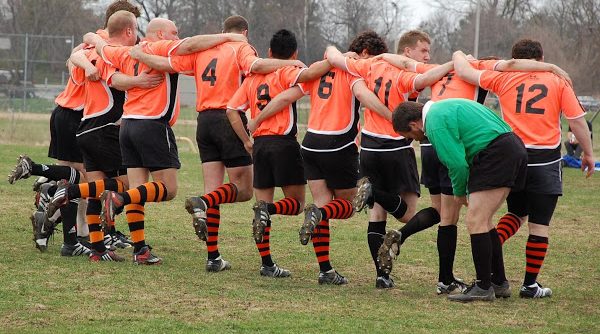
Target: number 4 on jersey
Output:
[(210, 72)]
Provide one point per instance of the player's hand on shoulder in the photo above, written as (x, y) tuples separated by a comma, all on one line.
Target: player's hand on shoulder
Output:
[(298, 63), (92, 74), (562, 73), (147, 80), (136, 52), (352, 54)]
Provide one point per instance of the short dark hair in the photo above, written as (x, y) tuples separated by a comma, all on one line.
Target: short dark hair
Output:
[(118, 5), (411, 38), (528, 49), (405, 113), (235, 23), (369, 40), (283, 44)]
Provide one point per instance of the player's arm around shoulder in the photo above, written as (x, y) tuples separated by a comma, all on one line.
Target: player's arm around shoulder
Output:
[(463, 68), (316, 70), (156, 62), (203, 42)]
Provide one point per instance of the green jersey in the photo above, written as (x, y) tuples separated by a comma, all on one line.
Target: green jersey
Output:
[(458, 129)]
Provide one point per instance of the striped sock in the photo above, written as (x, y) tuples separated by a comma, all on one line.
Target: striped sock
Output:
[(337, 209), (147, 192), (286, 206), (94, 189), (135, 220), (535, 253), (264, 247), (213, 220), (320, 241), (508, 225), (226, 193), (92, 218)]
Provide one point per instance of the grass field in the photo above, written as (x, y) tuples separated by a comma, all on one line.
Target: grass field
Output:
[(48, 293)]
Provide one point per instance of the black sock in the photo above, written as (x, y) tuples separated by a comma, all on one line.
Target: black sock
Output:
[(375, 234), (481, 249), (69, 219), (498, 274), (56, 172), (446, 245), (423, 220), (391, 203)]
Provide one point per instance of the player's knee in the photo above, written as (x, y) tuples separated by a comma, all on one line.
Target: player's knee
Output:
[(244, 194)]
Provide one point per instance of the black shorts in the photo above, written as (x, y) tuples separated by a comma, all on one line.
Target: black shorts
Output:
[(148, 144), (539, 207), (339, 169), (391, 171), (434, 175), (218, 142), (503, 163), (101, 151), (277, 162), (63, 126)]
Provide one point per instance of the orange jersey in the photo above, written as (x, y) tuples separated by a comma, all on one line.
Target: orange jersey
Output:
[(452, 86), (161, 102), (391, 84), (218, 72), (333, 118), (99, 98), (72, 97), (256, 92), (532, 104)]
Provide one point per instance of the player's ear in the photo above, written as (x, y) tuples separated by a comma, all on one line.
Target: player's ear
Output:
[(245, 33), (295, 55), (269, 53)]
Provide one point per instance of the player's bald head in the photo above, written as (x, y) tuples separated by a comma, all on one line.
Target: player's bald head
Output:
[(160, 28), (119, 22)]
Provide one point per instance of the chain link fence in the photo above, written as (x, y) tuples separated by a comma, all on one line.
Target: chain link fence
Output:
[(32, 70)]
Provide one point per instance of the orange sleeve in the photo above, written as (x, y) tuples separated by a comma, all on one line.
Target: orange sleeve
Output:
[(406, 81), (115, 55), (184, 64), (239, 100), (246, 57), (569, 104), (288, 76), (307, 87), (78, 75), (358, 67), (164, 48), (422, 67), (106, 71), (492, 80)]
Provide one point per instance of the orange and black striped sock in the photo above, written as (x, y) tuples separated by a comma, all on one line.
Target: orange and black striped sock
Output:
[(135, 220), (264, 247), (92, 218), (337, 209), (320, 240), (535, 253), (94, 189), (147, 192), (213, 220), (226, 193), (286, 206), (508, 225)]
